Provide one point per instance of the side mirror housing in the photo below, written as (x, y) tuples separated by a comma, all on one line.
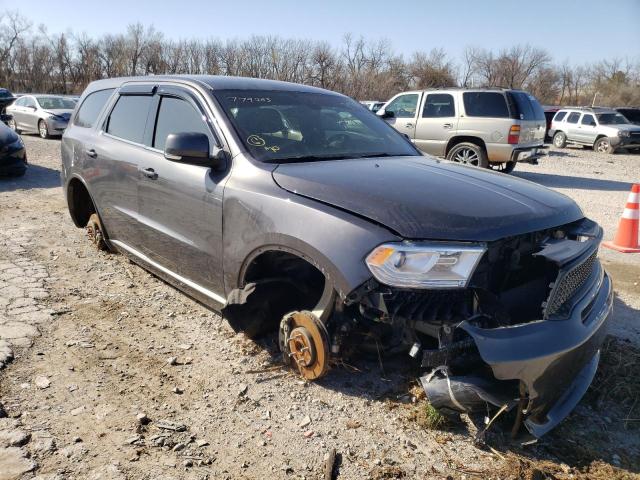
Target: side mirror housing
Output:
[(385, 113), (193, 148)]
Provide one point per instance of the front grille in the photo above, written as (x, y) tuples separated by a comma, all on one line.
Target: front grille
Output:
[(568, 283)]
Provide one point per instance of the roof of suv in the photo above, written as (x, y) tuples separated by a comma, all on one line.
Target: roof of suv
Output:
[(213, 82)]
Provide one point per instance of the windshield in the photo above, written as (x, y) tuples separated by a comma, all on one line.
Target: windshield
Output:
[(53, 103), (611, 119), (280, 126)]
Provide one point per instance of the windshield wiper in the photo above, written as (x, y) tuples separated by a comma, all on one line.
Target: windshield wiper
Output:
[(308, 158), (316, 158)]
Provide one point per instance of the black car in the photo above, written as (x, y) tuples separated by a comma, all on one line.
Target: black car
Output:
[(298, 214), (13, 156), (631, 113)]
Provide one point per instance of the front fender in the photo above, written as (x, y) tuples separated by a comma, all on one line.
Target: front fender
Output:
[(260, 216)]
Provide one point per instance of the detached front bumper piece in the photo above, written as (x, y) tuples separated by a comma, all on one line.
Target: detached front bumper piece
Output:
[(555, 361)]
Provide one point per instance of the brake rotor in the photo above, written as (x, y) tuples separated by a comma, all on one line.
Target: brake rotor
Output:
[(304, 341)]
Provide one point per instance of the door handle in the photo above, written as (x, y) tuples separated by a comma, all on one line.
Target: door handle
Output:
[(91, 153), (409, 125), (150, 173), (447, 125)]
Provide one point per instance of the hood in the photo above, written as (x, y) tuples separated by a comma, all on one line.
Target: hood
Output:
[(424, 198), (628, 127)]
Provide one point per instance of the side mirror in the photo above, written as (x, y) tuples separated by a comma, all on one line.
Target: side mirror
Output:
[(385, 113), (593, 124), (193, 148)]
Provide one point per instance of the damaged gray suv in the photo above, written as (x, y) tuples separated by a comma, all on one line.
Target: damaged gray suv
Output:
[(294, 211)]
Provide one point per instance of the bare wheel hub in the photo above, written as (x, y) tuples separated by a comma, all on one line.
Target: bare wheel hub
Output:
[(304, 342)]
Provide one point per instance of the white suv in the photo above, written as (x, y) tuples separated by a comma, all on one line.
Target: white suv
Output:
[(603, 128)]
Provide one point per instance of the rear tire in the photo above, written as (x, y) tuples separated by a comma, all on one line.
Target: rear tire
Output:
[(469, 154), (603, 145), (43, 130), (12, 125), (559, 140), (95, 232)]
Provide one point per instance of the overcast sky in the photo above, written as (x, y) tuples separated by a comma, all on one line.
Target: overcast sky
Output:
[(576, 31)]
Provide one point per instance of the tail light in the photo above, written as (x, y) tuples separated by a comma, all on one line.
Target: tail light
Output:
[(514, 134)]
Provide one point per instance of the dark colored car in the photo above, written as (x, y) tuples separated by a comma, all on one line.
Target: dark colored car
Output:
[(13, 156), (6, 99), (293, 210), (549, 113), (631, 113)]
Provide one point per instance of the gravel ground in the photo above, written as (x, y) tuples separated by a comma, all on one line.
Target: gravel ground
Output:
[(116, 375)]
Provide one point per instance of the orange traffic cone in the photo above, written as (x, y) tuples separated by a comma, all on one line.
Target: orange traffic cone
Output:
[(626, 240)]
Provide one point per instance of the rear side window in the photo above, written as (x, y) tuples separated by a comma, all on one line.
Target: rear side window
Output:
[(573, 117), (91, 108), (559, 116), (177, 116), (588, 120), (128, 118), (485, 104), (439, 105)]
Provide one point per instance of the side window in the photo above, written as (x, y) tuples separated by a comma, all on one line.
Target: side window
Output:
[(559, 116), (128, 118), (91, 108), (404, 106), (29, 102), (439, 105), (573, 117), (588, 120), (20, 102), (485, 104), (176, 116)]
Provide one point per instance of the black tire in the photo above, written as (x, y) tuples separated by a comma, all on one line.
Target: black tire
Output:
[(603, 145), (95, 232), (559, 140), (43, 130), (506, 167), (12, 125), (469, 154)]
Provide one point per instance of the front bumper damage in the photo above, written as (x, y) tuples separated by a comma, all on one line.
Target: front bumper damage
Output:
[(525, 333)]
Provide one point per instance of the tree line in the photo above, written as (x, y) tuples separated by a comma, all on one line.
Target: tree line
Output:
[(34, 60)]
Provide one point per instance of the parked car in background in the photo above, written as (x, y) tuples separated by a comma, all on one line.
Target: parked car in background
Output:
[(350, 238), (489, 128), (631, 113), (604, 129), (372, 105), (549, 113), (13, 156), (47, 115)]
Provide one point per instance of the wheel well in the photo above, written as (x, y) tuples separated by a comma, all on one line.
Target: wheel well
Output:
[(274, 284), (80, 203), (599, 137), (457, 140)]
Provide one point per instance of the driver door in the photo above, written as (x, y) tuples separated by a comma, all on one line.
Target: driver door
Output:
[(405, 113), (180, 204)]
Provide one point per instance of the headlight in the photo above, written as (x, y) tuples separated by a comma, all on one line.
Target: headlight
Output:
[(424, 264), (623, 133)]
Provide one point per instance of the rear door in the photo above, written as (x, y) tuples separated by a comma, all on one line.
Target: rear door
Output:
[(120, 148), (181, 204), (436, 122), (405, 113)]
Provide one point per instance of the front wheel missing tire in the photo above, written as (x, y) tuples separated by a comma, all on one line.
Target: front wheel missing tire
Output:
[(95, 232)]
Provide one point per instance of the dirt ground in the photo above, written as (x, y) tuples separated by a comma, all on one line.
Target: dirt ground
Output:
[(116, 375)]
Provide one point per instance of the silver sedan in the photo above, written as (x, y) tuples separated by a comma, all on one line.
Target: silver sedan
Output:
[(47, 115)]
